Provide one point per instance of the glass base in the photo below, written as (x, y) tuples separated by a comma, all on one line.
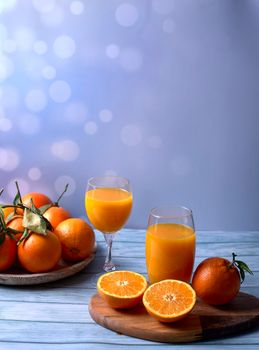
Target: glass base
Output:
[(109, 266)]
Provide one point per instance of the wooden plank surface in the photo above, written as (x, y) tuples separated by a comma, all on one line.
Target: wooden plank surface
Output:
[(55, 316)]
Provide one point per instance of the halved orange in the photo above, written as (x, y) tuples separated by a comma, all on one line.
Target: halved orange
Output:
[(122, 289), (169, 300)]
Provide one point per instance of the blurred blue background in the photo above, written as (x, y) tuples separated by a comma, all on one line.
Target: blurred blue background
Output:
[(164, 92)]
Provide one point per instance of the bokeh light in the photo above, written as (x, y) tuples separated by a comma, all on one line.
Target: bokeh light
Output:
[(60, 91), (7, 5), (64, 46), (90, 128), (9, 46), (131, 135), (105, 115), (76, 75), (35, 100), (34, 173), (126, 14), (48, 72), (77, 7), (24, 38), (5, 124), (23, 186), (112, 51), (67, 150), (62, 181), (53, 18), (9, 159), (44, 6)]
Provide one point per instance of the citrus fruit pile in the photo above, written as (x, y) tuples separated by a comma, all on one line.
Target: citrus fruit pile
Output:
[(36, 233)]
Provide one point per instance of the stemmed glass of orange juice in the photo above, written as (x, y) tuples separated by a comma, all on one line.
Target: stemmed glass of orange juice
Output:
[(170, 244), (108, 203)]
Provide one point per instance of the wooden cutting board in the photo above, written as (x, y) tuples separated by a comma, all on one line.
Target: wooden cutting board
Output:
[(204, 322)]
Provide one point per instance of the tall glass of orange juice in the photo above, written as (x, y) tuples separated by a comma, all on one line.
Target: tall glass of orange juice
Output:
[(170, 244), (108, 203)]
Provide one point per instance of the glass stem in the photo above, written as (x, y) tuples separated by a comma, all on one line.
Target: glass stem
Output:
[(108, 265), (109, 252)]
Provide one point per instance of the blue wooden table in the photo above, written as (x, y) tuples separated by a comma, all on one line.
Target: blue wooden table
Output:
[(55, 315)]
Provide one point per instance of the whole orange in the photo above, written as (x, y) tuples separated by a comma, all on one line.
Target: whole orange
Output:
[(216, 281), (8, 251), (17, 224), (39, 199), (39, 253), (55, 215), (77, 239), (8, 210)]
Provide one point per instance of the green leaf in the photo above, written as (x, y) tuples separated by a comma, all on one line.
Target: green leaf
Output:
[(1, 212), (244, 266), (45, 208), (17, 199), (34, 222), (242, 275), (34, 209)]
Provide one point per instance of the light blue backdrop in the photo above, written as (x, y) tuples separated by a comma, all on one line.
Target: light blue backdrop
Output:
[(164, 92)]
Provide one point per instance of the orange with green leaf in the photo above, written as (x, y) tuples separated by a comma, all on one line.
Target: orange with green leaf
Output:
[(16, 224), (55, 215), (38, 199), (217, 280), (39, 252)]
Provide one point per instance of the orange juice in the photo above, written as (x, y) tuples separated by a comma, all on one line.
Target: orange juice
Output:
[(170, 252), (108, 208)]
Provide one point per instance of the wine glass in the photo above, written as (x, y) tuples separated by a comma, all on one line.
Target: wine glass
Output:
[(170, 244), (108, 203)]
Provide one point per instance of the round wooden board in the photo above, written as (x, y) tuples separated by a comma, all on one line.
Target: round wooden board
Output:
[(20, 277), (204, 322)]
